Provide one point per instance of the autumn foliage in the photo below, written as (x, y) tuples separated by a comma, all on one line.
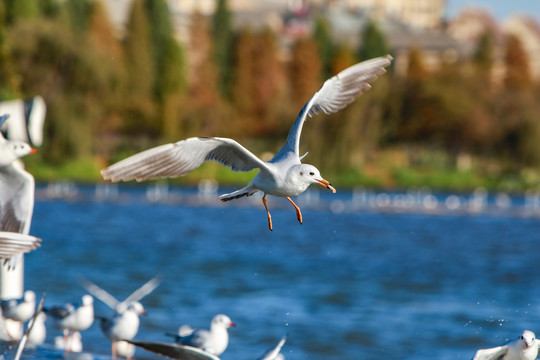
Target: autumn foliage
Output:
[(110, 93)]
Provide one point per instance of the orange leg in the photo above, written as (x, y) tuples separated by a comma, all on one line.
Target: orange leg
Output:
[(268, 212), (298, 213), (113, 350)]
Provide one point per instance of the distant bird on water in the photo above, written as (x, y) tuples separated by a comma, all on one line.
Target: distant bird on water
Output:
[(72, 318), (525, 347), (214, 341), (284, 175), (124, 322), (185, 352)]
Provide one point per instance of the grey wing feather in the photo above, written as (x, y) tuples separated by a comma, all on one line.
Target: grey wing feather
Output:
[(180, 158), (16, 199), (144, 290), (174, 351), (335, 94), (495, 353), (15, 243), (101, 294)]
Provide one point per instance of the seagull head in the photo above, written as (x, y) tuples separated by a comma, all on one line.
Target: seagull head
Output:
[(223, 321), (137, 308), (309, 174), (87, 300), (528, 338), (21, 149), (29, 296)]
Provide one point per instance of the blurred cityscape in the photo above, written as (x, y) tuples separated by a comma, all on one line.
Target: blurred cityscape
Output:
[(458, 108)]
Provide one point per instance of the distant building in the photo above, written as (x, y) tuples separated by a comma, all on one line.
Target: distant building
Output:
[(418, 14)]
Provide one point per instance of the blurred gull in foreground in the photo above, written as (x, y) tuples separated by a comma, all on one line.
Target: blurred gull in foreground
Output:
[(12, 243), (16, 312), (122, 326), (72, 318), (38, 333), (16, 189), (284, 175), (73, 344), (524, 347), (214, 341), (184, 352), (124, 323)]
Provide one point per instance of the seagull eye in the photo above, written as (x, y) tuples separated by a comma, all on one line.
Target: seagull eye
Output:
[(311, 173), (521, 337)]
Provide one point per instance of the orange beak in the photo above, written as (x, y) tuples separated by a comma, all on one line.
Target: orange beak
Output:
[(326, 184), (33, 151)]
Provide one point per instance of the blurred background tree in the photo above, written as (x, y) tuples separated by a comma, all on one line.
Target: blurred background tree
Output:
[(111, 92)]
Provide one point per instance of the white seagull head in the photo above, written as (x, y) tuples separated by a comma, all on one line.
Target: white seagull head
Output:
[(304, 175), (527, 337), (222, 321), (87, 300), (13, 150), (137, 308)]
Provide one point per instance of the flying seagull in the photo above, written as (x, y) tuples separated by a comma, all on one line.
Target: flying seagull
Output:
[(16, 188), (524, 347), (284, 175)]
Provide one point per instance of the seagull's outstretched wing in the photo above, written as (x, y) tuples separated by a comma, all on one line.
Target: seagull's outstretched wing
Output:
[(495, 353), (141, 292), (12, 243), (174, 351), (16, 199), (272, 353), (101, 294), (335, 94), (182, 157)]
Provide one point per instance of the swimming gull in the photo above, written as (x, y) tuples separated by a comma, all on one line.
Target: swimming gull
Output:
[(284, 175), (214, 341), (524, 347), (185, 352), (124, 323), (71, 318), (122, 326)]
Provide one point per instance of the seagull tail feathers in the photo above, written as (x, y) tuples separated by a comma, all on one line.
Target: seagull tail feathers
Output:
[(247, 191)]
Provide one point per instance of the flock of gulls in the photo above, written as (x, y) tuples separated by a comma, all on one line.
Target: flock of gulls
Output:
[(23, 321)]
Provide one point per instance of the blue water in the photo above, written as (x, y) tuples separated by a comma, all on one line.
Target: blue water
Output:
[(344, 285)]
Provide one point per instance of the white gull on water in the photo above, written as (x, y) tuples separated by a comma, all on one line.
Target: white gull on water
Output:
[(525, 347), (124, 322), (71, 318), (214, 341), (185, 352), (284, 175)]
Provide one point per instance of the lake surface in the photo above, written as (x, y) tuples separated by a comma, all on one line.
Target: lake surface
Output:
[(350, 283)]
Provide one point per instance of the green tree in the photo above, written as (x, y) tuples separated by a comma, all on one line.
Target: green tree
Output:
[(8, 80), (139, 104), (372, 42), (20, 9), (222, 39), (325, 44), (79, 13), (63, 67), (167, 52)]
